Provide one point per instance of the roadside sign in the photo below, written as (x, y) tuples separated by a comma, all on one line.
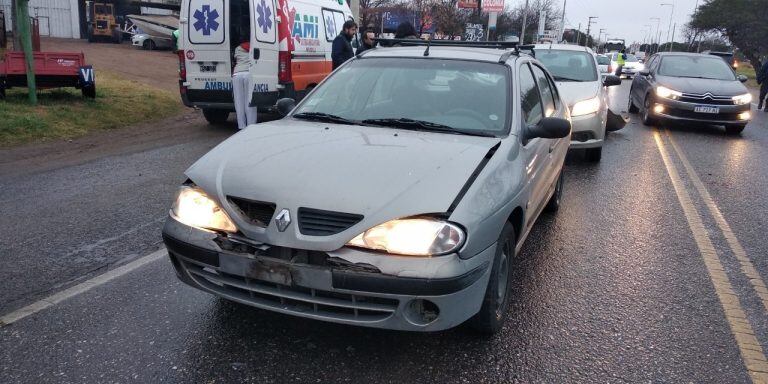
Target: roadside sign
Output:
[(493, 5), (474, 32), (471, 4)]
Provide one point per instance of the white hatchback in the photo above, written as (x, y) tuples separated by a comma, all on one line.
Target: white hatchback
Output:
[(575, 71)]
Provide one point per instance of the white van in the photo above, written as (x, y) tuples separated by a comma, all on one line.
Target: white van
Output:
[(290, 45)]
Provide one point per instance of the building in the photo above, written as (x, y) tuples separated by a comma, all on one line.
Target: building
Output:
[(57, 18)]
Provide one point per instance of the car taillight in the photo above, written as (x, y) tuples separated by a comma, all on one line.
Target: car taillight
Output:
[(182, 66), (284, 74)]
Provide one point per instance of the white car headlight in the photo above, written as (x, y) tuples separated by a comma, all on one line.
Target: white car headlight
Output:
[(422, 236), (742, 99), (585, 107), (193, 207), (668, 93)]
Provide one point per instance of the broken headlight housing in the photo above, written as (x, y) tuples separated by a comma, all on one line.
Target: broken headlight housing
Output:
[(419, 236), (193, 207)]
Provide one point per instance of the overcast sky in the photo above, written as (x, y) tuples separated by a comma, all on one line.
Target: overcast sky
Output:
[(626, 19)]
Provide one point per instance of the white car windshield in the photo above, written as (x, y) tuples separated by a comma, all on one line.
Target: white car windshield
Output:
[(696, 67), (465, 96), (568, 65)]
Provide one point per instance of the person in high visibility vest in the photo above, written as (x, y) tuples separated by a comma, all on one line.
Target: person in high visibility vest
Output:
[(620, 61)]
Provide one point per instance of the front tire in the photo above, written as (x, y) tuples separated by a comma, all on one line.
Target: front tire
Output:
[(632, 108), (215, 116), (492, 314), (734, 129), (647, 117), (554, 202)]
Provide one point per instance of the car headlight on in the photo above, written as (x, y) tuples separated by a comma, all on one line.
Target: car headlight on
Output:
[(193, 207), (422, 236), (668, 93), (742, 99), (586, 107)]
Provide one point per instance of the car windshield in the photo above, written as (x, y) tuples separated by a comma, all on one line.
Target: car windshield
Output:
[(429, 94), (696, 67), (603, 60), (568, 65)]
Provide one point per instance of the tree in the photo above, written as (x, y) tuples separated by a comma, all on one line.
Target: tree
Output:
[(743, 22)]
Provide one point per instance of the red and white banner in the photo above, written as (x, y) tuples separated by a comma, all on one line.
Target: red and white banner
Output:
[(471, 4), (493, 5)]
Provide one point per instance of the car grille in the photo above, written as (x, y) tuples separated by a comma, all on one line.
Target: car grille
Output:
[(315, 222), (258, 213), (706, 98), (293, 299)]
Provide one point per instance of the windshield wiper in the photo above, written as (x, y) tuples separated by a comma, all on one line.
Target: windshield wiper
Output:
[(563, 78), (422, 125), (327, 117)]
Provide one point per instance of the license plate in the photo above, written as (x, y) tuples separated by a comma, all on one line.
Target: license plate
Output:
[(208, 67), (259, 269), (706, 109)]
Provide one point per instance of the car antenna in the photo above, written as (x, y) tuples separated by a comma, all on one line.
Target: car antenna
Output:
[(426, 51)]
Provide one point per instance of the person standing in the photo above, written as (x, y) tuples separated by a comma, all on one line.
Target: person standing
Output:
[(762, 79), (341, 51), (406, 31), (621, 58), (242, 90), (367, 41)]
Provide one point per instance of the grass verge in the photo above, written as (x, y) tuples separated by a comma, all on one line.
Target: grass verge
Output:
[(747, 70), (64, 113)]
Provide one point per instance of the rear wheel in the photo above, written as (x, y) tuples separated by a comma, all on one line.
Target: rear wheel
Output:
[(91, 38), (594, 155), (89, 91), (149, 45), (492, 314), (554, 202), (646, 113), (2, 91), (734, 129), (215, 116), (117, 36)]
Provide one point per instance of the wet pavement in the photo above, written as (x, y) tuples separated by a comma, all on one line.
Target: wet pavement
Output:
[(612, 288)]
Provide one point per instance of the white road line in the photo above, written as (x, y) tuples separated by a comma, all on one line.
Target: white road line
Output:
[(80, 288)]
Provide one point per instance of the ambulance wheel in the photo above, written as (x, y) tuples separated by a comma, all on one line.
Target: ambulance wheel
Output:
[(89, 91), (215, 116)]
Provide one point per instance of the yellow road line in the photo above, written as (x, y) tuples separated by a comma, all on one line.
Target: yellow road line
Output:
[(749, 347), (757, 282)]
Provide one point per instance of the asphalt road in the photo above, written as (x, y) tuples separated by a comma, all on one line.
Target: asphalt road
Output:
[(619, 286)]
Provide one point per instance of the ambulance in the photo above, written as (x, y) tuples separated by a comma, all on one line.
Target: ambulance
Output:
[(290, 48)]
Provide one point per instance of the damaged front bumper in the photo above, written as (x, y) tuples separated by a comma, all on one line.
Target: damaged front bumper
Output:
[(346, 286)]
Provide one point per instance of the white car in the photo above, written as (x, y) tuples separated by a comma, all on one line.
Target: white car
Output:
[(631, 65), (150, 43), (604, 64), (575, 71)]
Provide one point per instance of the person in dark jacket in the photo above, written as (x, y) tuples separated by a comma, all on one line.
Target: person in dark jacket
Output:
[(406, 31), (366, 40), (341, 51), (762, 79)]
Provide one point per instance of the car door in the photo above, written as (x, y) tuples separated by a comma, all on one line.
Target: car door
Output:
[(264, 49), (535, 151), (549, 101)]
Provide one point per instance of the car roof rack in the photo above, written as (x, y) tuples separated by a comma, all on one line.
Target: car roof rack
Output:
[(513, 46)]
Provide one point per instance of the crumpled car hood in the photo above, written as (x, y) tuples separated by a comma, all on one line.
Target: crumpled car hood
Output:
[(380, 173), (575, 91)]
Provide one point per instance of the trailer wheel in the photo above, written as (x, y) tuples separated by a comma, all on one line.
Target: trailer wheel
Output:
[(117, 36), (89, 91), (2, 91)]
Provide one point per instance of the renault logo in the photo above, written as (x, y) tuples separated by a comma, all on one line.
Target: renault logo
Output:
[(283, 220)]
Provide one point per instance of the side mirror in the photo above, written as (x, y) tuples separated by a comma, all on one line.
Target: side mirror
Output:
[(743, 78), (285, 106), (611, 80), (548, 128), (645, 72)]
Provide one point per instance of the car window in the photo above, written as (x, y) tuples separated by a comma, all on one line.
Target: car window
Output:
[(466, 95), (696, 67), (653, 62), (603, 60), (547, 94), (631, 59), (529, 97), (567, 65)]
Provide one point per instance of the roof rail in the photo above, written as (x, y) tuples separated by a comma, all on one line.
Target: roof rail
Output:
[(447, 43)]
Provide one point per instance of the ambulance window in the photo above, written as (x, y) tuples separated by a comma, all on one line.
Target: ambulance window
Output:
[(264, 14), (333, 21)]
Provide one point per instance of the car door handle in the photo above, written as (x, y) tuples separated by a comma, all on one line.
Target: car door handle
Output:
[(256, 53)]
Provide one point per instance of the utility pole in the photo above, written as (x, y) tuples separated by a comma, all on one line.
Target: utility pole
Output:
[(653, 35), (589, 27), (671, 15), (562, 23), (525, 20), (578, 35), (22, 26), (671, 42)]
